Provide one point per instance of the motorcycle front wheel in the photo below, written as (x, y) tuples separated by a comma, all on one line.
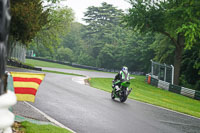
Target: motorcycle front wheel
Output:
[(112, 95), (123, 97)]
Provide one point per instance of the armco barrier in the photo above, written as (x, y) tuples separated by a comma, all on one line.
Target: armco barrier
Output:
[(65, 63), (53, 61), (197, 95), (154, 81), (187, 92), (83, 66), (15, 63), (173, 88), (164, 85)]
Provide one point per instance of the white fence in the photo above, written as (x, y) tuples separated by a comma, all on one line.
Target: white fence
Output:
[(19, 52)]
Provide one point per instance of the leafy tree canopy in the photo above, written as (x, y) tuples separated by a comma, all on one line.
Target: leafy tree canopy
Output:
[(51, 33), (177, 19), (102, 19), (28, 17), (169, 17)]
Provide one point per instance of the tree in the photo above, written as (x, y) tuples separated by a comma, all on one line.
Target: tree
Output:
[(164, 17), (86, 59), (102, 17), (64, 54), (190, 73), (107, 56), (102, 22), (73, 39), (138, 53), (163, 48), (28, 17), (50, 36)]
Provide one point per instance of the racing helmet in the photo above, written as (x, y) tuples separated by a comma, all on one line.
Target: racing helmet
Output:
[(125, 69)]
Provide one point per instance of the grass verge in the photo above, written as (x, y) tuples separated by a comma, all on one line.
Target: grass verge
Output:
[(150, 94), (62, 73), (27, 127), (50, 64)]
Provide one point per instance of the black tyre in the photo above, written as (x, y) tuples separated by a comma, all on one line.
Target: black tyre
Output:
[(123, 99), (123, 96), (4, 19), (112, 95), (4, 28)]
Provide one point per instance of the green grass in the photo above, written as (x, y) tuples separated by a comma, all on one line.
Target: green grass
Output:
[(49, 64), (34, 128), (150, 94), (28, 64), (62, 73)]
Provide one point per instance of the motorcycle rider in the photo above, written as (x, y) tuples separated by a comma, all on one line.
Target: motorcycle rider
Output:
[(122, 76)]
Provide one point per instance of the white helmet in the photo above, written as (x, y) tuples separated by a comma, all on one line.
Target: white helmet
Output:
[(125, 69)]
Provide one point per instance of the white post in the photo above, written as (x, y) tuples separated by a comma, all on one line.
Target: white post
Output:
[(6, 101), (151, 67), (172, 74), (7, 118), (165, 72), (31, 53)]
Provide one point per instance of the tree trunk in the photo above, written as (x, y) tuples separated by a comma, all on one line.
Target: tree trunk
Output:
[(10, 47), (178, 58)]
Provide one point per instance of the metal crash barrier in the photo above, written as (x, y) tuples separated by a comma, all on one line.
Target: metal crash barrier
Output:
[(173, 88)]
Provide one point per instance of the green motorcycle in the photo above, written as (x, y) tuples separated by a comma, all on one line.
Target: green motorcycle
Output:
[(123, 93)]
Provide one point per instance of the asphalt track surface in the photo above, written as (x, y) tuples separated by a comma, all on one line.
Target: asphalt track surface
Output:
[(88, 110)]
